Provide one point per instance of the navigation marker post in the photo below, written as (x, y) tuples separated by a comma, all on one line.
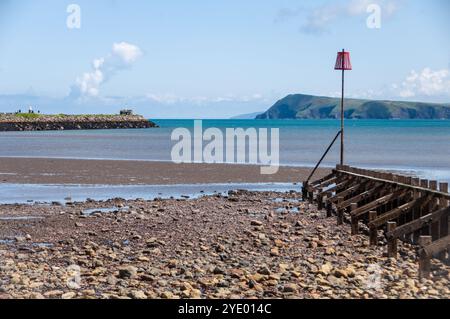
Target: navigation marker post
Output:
[(343, 63)]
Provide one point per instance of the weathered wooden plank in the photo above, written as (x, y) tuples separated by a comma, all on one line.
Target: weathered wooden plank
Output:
[(378, 202), (373, 232), (359, 197), (424, 258), (348, 191), (435, 227), (444, 222), (392, 243), (396, 212), (340, 214), (437, 246), (340, 186), (323, 184), (319, 181), (437, 193), (354, 221), (418, 224)]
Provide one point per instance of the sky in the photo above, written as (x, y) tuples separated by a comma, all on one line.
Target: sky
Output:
[(216, 59)]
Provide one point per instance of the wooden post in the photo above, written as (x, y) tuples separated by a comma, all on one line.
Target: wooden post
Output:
[(444, 222), (373, 231), (311, 196), (354, 220), (416, 211), (435, 227), (423, 211), (305, 191), (424, 259), (329, 208), (392, 243), (340, 213), (319, 202)]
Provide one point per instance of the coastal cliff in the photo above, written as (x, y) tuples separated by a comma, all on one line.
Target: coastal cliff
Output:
[(300, 106), (37, 122)]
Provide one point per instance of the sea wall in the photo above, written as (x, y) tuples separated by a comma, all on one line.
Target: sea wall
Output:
[(60, 123)]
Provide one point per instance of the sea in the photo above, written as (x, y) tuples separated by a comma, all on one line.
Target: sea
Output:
[(419, 147)]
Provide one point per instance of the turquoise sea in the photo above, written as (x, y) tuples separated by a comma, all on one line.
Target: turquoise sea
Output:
[(422, 146)]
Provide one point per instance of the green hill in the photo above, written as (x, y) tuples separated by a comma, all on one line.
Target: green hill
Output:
[(300, 106)]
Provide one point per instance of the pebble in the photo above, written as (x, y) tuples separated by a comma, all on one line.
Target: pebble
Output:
[(138, 294), (68, 295), (290, 288), (128, 272), (275, 252)]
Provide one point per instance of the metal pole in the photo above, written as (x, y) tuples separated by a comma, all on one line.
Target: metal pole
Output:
[(323, 156), (342, 110)]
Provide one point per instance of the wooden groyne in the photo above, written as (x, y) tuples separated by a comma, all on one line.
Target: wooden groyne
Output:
[(405, 208)]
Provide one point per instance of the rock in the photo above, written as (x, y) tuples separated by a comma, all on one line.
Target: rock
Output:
[(264, 271), (351, 272), (236, 273), (36, 295), (312, 245), (128, 272), (256, 223), (143, 259), (274, 252), (53, 294), (340, 273), (20, 239), (73, 285), (220, 248), (195, 294), (218, 271), (152, 242), (325, 269), (257, 278), (111, 280), (290, 288), (278, 243), (137, 294), (68, 295), (167, 295)]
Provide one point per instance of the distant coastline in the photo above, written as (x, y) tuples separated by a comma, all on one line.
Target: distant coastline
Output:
[(301, 106), (60, 122)]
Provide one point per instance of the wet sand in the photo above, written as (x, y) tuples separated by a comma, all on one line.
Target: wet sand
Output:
[(111, 172)]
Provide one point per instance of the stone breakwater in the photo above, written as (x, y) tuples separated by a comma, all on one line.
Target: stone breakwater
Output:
[(60, 123), (244, 245)]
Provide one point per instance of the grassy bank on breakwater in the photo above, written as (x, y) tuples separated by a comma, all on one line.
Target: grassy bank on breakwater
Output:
[(40, 122)]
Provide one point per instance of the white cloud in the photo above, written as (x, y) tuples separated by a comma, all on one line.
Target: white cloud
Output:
[(425, 83), (122, 56), (320, 19), (129, 53)]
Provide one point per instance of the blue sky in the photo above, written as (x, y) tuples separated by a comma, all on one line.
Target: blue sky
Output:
[(204, 58)]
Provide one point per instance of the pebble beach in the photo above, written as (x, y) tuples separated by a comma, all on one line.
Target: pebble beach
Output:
[(251, 245)]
